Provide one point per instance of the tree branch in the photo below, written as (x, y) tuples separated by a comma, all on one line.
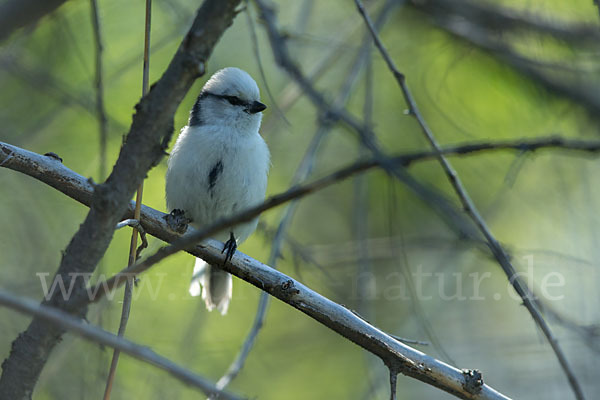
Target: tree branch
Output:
[(411, 362), (338, 318), (498, 251), (95, 334), (148, 136)]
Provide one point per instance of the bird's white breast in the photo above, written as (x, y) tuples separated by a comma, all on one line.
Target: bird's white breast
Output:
[(239, 162)]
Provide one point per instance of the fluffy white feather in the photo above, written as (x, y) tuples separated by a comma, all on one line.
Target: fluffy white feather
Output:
[(218, 167)]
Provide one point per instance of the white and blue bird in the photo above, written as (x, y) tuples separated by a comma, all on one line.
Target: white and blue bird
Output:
[(217, 168)]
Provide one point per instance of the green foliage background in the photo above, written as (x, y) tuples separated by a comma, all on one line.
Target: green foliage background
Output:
[(542, 206)]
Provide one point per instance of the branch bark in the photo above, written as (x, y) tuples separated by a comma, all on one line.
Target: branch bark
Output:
[(146, 141)]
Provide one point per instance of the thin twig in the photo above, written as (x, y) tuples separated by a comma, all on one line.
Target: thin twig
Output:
[(292, 92), (136, 224), (99, 87), (361, 227), (303, 16), (97, 335), (100, 110), (499, 253), (237, 365), (298, 250), (415, 302), (133, 250), (256, 50), (393, 382)]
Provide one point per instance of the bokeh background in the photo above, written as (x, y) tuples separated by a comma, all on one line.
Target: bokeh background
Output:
[(369, 243)]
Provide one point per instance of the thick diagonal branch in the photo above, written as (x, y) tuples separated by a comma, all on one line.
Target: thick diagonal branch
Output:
[(345, 322), (146, 141)]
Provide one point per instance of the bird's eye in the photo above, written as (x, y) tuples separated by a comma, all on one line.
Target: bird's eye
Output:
[(234, 100)]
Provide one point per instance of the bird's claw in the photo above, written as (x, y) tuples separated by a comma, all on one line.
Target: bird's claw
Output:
[(177, 221), (229, 248)]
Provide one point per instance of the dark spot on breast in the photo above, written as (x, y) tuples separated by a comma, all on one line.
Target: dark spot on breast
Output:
[(213, 175)]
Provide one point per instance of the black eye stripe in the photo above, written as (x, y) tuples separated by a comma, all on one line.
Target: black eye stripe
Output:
[(233, 100), (236, 101)]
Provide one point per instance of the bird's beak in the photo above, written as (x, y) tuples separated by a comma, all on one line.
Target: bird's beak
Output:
[(256, 107)]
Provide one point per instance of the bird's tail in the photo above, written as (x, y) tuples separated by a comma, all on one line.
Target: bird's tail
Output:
[(215, 285)]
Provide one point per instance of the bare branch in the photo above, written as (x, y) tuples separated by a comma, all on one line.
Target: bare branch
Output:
[(149, 135), (498, 251), (100, 110), (299, 251), (239, 361), (133, 251), (360, 223), (95, 334), (393, 381), (393, 353), (292, 92), (256, 50)]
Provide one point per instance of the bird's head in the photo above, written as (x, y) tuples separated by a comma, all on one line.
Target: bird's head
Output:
[(229, 98)]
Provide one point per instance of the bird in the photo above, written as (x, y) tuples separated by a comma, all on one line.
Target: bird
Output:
[(217, 168)]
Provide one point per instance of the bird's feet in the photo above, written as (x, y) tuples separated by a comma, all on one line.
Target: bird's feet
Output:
[(177, 221), (229, 248)]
